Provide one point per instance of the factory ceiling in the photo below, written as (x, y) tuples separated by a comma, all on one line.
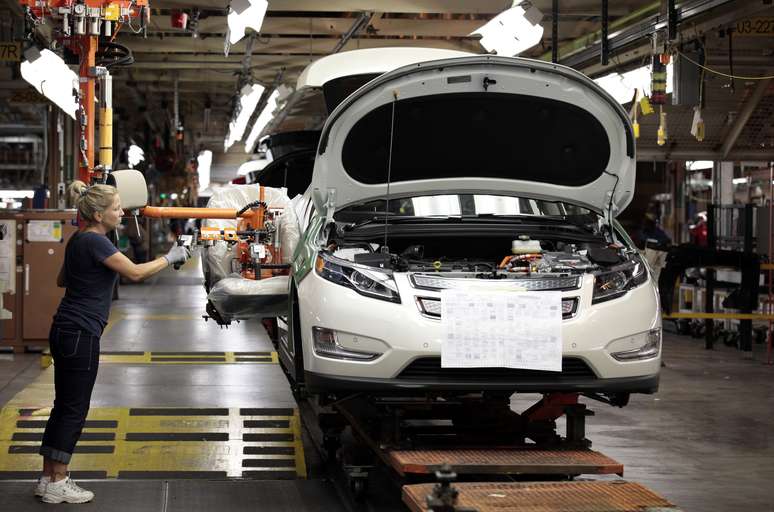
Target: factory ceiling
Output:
[(296, 32)]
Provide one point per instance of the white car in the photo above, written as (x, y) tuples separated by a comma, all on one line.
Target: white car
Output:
[(425, 178)]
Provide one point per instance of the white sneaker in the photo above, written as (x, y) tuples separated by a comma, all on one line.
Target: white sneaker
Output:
[(66, 491), (40, 489)]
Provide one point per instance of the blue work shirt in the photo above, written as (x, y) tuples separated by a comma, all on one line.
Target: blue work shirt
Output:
[(89, 282)]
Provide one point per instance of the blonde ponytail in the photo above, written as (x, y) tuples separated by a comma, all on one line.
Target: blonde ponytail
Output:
[(90, 200)]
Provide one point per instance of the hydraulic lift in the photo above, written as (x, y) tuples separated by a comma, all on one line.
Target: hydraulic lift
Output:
[(505, 461)]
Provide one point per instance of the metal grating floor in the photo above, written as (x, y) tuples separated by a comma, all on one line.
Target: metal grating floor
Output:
[(615, 496), (506, 460)]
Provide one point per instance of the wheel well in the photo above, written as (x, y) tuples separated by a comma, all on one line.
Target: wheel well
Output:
[(295, 327)]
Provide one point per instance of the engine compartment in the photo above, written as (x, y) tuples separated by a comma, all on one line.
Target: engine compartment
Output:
[(476, 253)]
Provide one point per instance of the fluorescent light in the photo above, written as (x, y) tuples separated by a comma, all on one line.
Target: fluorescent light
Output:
[(52, 78), (135, 155), (621, 86), (739, 181), (263, 119), (248, 100), (243, 14), (698, 165), (16, 194), (252, 165), (512, 32), (204, 168)]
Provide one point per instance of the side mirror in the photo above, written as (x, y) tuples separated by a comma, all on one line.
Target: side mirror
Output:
[(131, 187)]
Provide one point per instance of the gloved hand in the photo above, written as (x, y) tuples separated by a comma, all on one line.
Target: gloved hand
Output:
[(178, 254)]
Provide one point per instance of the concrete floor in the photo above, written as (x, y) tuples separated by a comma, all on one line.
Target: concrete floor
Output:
[(704, 441)]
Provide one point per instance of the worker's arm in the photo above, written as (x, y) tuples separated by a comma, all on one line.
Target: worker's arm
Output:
[(134, 271), (60, 279)]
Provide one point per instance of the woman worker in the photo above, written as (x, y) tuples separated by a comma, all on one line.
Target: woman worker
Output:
[(91, 266)]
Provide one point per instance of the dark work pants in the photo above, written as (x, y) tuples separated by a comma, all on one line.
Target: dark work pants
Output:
[(76, 359)]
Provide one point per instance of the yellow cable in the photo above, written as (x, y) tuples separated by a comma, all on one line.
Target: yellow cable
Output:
[(724, 74)]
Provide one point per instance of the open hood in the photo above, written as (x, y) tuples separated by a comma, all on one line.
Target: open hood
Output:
[(483, 125)]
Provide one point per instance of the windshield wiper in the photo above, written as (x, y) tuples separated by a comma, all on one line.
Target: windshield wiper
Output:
[(390, 218)]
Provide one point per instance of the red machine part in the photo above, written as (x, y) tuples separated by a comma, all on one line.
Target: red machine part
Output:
[(551, 407), (85, 46), (253, 218), (178, 19)]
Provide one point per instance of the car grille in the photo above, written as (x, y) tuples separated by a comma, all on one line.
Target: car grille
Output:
[(431, 282), (431, 306), (429, 368)]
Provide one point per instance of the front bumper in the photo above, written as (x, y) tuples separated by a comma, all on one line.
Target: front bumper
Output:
[(403, 335), (318, 383)]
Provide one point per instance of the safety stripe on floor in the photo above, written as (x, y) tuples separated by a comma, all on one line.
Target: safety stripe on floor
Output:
[(257, 443), (129, 357)]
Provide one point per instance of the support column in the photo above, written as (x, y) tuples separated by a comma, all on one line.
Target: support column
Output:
[(87, 52), (52, 170)]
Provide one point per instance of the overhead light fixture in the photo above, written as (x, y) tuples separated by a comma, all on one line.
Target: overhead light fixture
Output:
[(51, 77), (263, 119), (243, 14), (135, 155), (16, 194), (204, 168), (621, 86), (252, 165), (513, 31), (698, 165), (248, 100)]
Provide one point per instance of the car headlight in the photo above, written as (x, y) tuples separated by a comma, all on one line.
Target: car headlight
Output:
[(643, 345), (615, 283), (364, 280)]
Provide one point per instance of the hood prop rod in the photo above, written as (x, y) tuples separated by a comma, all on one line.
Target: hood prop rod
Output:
[(385, 248)]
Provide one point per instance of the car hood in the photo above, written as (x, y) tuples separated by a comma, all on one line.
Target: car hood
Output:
[(484, 125)]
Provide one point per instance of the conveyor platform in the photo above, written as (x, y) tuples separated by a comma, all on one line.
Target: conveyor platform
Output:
[(617, 496)]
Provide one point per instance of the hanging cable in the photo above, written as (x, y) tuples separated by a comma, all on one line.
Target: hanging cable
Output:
[(738, 77)]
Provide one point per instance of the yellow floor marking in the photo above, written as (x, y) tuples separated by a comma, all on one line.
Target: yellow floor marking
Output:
[(161, 317), (298, 441), (38, 394), (224, 456), (148, 358), (159, 358)]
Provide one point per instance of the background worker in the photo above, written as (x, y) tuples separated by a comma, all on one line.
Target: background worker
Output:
[(91, 266)]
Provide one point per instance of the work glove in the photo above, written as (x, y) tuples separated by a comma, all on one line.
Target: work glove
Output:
[(178, 255)]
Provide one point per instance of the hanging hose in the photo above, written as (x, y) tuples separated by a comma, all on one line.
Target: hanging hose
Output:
[(254, 204), (112, 54)]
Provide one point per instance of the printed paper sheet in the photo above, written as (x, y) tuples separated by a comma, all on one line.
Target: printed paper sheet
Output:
[(8, 257), (44, 231), (501, 329)]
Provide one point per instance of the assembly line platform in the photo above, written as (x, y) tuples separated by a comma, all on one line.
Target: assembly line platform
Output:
[(188, 416), (617, 496)]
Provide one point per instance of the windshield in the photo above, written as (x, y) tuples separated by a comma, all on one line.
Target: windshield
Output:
[(459, 205)]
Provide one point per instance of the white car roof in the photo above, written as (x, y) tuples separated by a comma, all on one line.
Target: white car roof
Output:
[(368, 61)]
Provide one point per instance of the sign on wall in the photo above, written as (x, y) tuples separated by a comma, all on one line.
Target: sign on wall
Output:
[(10, 51)]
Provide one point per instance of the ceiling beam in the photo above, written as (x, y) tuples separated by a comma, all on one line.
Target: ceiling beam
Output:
[(407, 6), (279, 45), (658, 154), (330, 26), (741, 120), (587, 61)]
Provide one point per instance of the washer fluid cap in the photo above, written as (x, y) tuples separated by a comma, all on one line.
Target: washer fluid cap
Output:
[(526, 247)]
